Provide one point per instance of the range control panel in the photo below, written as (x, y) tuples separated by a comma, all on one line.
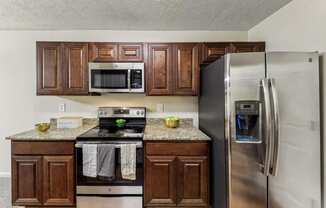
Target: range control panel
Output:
[(116, 112), (248, 120)]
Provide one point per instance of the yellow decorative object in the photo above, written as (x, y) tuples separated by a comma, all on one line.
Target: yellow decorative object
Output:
[(172, 122), (42, 127)]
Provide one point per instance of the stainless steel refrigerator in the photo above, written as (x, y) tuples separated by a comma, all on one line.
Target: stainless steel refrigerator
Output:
[(262, 112)]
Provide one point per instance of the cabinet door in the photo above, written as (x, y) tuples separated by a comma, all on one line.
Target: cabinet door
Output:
[(49, 68), (213, 51), (160, 181), (76, 68), (27, 180), (159, 71), (59, 182), (247, 47), (192, 181), (101, 52), (130, 52), (186, 69)]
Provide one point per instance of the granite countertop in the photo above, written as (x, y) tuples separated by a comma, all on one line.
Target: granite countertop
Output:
[(156, 131), (54, 133)]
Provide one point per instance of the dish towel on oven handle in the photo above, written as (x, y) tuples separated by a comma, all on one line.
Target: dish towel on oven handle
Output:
[(128, 161), (90, 160), (106, 161)]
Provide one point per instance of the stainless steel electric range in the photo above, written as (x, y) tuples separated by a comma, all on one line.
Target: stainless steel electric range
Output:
[(108, 132)]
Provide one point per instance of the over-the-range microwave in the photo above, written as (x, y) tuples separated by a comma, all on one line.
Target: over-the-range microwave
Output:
[(116, 77)]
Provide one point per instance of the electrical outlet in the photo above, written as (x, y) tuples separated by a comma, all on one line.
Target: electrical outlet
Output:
[(62, 107), (160, 108)]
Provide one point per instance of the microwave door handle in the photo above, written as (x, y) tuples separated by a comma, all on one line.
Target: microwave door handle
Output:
[(129, 80), (268, 127), (276, 134)]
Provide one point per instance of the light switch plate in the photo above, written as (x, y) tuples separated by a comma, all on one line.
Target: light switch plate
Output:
[(160, 108), (62, 107)]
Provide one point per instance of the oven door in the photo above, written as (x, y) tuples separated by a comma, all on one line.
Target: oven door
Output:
[(87, 186)]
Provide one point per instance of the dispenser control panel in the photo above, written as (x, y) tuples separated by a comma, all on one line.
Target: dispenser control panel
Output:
[(248, 121)]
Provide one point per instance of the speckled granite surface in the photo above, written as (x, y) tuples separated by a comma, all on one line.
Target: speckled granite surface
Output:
[(156, 131), (56, 134)]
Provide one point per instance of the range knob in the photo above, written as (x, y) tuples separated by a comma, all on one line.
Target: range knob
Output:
[(137, 112)]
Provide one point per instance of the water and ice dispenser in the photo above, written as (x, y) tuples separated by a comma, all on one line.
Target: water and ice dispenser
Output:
[(248, 121)]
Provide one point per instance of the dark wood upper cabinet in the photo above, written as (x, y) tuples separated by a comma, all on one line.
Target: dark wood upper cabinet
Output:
[(246, 47), (103, 52), (213, 51), (76, 68), (49, 68), (159, 69), (192, 186), (160, 181), (59, 180), (27, 180), (186, 69), (130, 52)]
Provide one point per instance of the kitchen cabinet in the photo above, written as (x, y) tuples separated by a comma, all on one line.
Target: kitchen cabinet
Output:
[(27, 180), (173, 69), (62, 68), (176, 174), (58, 177), (186, 69), (130, 52), (213, 51), (75, 68), (49, 68), (103, 52), (160, 180), (110, 52), (43, 174), (159, 70), (246, 47)]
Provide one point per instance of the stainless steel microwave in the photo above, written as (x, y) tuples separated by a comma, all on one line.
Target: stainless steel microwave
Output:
[(116, 77)]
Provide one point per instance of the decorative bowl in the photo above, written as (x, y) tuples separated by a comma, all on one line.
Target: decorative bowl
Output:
[(120, 123), (42, 127), (171, 122)]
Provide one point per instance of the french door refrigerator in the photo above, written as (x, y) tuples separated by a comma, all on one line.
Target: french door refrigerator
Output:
[(262, 112)]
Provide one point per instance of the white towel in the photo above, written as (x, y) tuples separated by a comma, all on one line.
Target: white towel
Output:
[(90, 160), (128, 161)]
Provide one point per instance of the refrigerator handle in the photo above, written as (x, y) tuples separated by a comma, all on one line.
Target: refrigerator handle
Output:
[(276, 129), (268, 127)]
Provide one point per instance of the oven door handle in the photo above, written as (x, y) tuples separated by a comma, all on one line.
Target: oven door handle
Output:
[(117, 144)]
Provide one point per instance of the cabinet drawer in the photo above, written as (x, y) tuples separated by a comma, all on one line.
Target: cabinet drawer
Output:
[(42, 148), (177, 149)]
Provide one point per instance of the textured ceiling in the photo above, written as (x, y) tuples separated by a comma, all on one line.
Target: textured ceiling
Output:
[(135, 14)]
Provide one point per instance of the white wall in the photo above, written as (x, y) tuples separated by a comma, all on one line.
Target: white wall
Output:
[(20, 108), (299, 26)]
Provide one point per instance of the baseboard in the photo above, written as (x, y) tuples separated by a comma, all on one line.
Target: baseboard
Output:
[(5, 175)]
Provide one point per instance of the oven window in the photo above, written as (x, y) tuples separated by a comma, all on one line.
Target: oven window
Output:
[(109, 79)]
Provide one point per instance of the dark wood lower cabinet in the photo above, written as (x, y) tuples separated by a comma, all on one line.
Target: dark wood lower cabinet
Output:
[(27, 180), (160, 181), (176, 178), (43, 174), (58, 180), (192, 185)]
